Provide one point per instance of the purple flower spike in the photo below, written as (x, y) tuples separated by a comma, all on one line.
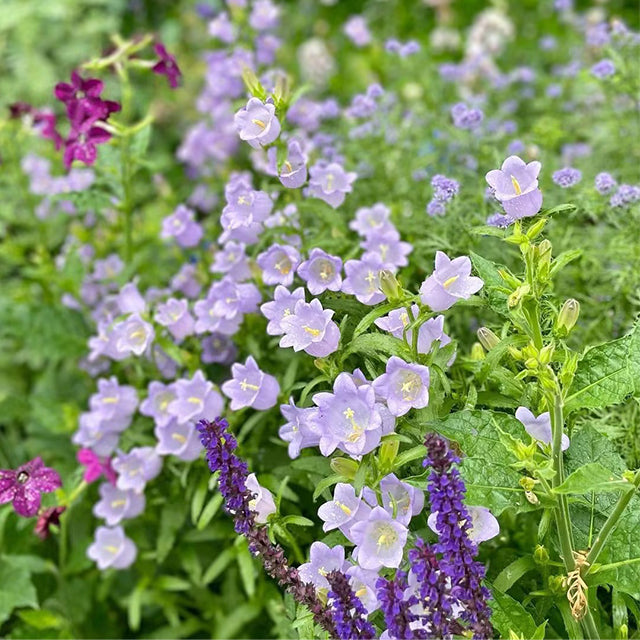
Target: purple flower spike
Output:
[(112, 549), (116, 505), (23, 486), (251, 387), (395, 607), (278, 264), (347, 609), (380, 540), (516, 187), (167, 66), (330, 182), (539, 428), (451, 281), (310, 327), (321, 272), (257, 123), (404, 386)]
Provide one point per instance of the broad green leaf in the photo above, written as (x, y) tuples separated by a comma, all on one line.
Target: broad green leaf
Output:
[(607, 374), (593, 477), (493, 283), (508, 615), (42, 618), (16, 588), (210, 510), (513, 572), (246, 566), (378, 345), (218, 565), (171, 520), (171, 583)]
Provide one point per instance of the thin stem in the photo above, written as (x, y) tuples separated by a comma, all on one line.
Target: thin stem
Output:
[(589, 625)]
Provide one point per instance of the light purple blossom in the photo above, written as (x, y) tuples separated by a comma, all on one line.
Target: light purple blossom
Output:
[(251, 387), (262, 499), (603, 69), (218, 348), (430, 331), (539, 428), (116, 505), (195, 399), (321, 272), (301, 429), (380, 540), (293, 172), (400, 499), (344, 510), (280, 307), (330, 182), (357, 30), (444, 189), (182, 226), (322, 560), (310, 327), (363, 280), (232, 261), (404, 386), (174, 314), (516, 187), (133, 335), (97, 434), (484, 525), (465, 117), (264, 15), (222, 28), (178, 439), (186, 282), (567, 177), (605, 183), (136, 468), (387, 248), (363, 583), (257, 123), (156, 404), (129, 299), (372, 220), (112, 548), (451, 281), (114, 403), (279, 263)]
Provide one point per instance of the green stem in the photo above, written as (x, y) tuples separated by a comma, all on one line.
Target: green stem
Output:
[(610, 524), (531, 314)]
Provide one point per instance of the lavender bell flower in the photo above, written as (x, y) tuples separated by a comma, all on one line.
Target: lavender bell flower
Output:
[(136, 468), (330, 182), (232, 260), (430, 331), (178, 439), (96, 433), (293, 173), (218, 348), (363, 280), (130, 300), (251, 387), (451, 281), (133, 336), (321, 272), (195, 399), (116, 505), (516, 187), (174, 314), (261, 503), (322, 560), (344, 510), (380, 540), (372, 220), (539, 428), (278, 264), (387, 248), (310, 327), (400, 499), (156, 404), (114, 403), (404, 386), (23, 486), (280, 307), (484, 524), (112, 548), (301, 429), (182, 226), (257, 123), (363, 583)]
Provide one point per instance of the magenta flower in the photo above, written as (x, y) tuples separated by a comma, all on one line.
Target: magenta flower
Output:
[(79, 89), (23, 486), (251, 387), (167, 66), (257, 123), (96, 466), (516, 187), (46, 518), (84, 136), (451, 281)]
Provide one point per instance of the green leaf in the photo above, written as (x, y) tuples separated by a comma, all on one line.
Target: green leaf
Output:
[(210, 510), (16, 588), (607, 374), (325, 483), (493, 283), (415, 453), (593, 477), (508, 615), (171, 583), (246, 566), (218, 565), (513, 572), (299, 521), (378, 345), (42, 618), (171, 520)]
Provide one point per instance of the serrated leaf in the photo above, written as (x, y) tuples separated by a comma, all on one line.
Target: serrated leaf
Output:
[(493, 282), (593, 477), (376, 345), (508, 615)]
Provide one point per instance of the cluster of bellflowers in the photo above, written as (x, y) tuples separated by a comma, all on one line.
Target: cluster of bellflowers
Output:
[(423, 590)]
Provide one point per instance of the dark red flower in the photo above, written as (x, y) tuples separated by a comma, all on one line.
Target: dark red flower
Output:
[(167, 66), (46, 518)]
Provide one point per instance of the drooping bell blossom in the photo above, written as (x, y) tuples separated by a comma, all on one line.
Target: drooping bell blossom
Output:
[(178, 439), (195, 399), (451, 281), (321, 272), (232, 260), (266, 47), (363, 583), (357, 30), (322, 560), (280, 307), (372, 220), (264, 15), (379, 540), (222, 28), (484, 524), (251, 387), (23, 486), (349, 418), (182, 226), (116, 505), (301, 429), (279, 263), (330, 182), (218, 348), (387, 248), (261, 503), (404, 386), (114, 402), (453, 522), (112, 548), (95, 466), (136, 468), (97, 434), (46, 518), (403, 501), (567, 177), (133, 335), (311, 328), (167, 66), (363, 280), (347, 610), (257, 123), (174, 315), (130, 300), (293, 172), (344, 510), (156, 404), (539, 428), (516, 187)]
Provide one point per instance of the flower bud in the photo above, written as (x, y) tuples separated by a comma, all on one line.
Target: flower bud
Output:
[(253, 84), (344, 467), (516, 354), (516, 297), (536, 229), (545, 355), (390, 286), (544, 259), (557, 585), (487, 338), (568, 317), (510, 279), (477, 352), (541, 555), (387, 453)]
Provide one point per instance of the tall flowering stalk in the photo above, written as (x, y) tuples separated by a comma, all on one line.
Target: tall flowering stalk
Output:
[(447, 490), (348, 612), (220, 446), (396, 608)]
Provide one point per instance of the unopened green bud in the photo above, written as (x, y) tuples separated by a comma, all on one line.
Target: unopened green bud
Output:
[(541, 555), (516, 354), (531, 363), (510, 279), (477, 352), (544, 258), (514, 636), (528, 484), (390, 286), (253, 84), (387, 453), (282, 91), (568, 317), (344, 467), (623, 632), (536, 229), (487, 338), (545, 355), (516, 297), (557, 584)]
